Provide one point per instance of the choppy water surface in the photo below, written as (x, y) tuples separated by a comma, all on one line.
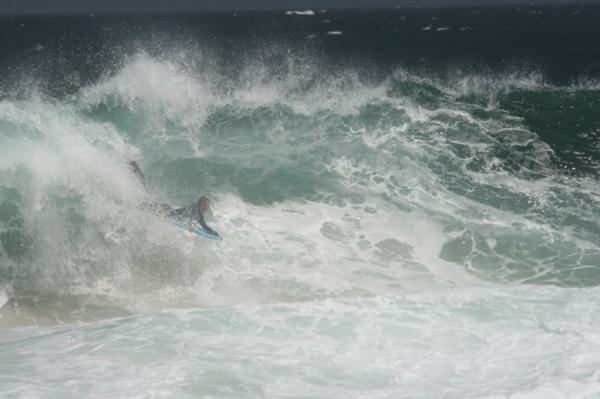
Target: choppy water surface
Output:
[(409, 208)]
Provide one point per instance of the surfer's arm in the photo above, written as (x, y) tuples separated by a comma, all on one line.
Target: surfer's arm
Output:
[(205, 226)]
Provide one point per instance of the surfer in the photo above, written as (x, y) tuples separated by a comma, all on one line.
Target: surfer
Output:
[(189, 214)]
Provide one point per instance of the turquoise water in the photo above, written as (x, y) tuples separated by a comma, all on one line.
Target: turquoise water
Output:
[(402, 233)]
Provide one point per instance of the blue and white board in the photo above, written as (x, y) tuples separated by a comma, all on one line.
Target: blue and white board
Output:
[(195, 229)]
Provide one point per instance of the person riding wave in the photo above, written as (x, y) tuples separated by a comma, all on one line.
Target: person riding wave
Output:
[(189, 214)]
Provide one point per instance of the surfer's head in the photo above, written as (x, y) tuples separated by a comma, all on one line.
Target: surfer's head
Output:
[(203, 204)]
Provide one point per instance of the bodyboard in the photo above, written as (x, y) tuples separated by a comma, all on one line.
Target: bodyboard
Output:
[(195, 229)]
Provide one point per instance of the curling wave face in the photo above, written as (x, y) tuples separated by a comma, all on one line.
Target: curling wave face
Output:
[(324, 186)]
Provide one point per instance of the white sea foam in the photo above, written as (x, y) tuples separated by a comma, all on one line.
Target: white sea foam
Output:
[(305, 12), (474, 342)]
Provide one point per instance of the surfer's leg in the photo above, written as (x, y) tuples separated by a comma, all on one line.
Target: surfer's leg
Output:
[(166, 209), (173, 212), (137, 172)]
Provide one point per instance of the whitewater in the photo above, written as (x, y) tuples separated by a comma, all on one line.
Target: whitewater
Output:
[(405, 235)]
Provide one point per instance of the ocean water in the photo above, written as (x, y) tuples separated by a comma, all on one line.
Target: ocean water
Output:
[(409, 200)]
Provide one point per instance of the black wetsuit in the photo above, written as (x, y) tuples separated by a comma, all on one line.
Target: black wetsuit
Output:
[(190, 213)]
